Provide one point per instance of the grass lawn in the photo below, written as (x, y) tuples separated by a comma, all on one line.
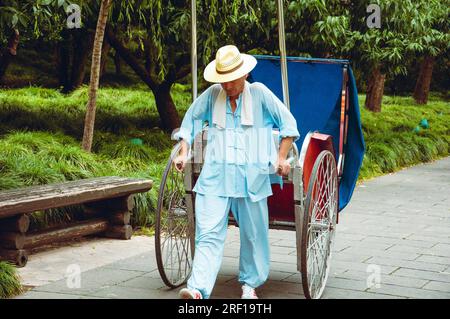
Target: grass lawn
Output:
[(394, 139)]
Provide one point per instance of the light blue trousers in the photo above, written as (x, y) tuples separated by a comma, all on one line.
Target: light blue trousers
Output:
[(211, 213)]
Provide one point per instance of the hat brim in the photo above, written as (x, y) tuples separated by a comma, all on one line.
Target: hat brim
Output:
[(210, 74)]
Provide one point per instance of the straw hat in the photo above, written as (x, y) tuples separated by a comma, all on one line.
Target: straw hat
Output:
[(229, 65)]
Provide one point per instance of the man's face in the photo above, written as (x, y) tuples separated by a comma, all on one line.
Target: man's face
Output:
[(235, 87)]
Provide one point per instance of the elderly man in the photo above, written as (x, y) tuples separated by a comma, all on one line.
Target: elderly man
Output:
[(240, 154)]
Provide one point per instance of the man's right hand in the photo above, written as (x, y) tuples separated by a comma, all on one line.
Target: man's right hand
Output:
[(180, 162)]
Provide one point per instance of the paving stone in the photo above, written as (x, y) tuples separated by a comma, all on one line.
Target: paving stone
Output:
[(405, 264), (345, 283), (439, 286), (442, 250), (231, 251), (282, 287), (410, 292), (120, 292), (284, 243), (275, 241), (225, 292), (144, 263), (48, 295), (294, 278), (430, 275), (343, 256), (403, 248), (438, 229), (279, 275), (282, 234), (91, 281), (362, 266), (283, 258), (284, 267), (385, 232), (340, 235), (143, 283), (341, 245), (338, 293), (384, 279), (269, 294), (152, 274), (405, 242), (442, 238), (430, 238), (280, 250), (383, 253), (372, 245)]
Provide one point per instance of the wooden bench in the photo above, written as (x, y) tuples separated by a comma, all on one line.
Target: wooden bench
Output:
[(106, 201)]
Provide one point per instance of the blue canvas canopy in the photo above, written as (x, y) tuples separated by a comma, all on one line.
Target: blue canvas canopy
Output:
[(315, 99)]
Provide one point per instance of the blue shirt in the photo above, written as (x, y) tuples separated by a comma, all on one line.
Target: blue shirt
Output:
[(238, 158)]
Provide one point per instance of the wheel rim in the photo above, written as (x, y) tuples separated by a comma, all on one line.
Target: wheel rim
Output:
[(172, 238), (321, 209)]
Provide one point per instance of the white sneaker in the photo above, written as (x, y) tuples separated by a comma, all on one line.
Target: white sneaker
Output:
[(187, 293), (248, 292)]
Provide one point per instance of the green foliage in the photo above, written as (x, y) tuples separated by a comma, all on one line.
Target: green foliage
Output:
[(390, 138), (119, 110), (317, 28), (408, 28), (158, 30), (9, 281)]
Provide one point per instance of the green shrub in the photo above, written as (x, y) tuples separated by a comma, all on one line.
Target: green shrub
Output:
[(9, 281), (391, 141)]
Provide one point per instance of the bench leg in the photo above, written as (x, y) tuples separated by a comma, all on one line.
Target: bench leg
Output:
[(118, 212), (19, 257), (12, 239), (119, 232)]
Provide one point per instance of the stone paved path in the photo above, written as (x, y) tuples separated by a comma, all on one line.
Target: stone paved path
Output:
[(397, 225)]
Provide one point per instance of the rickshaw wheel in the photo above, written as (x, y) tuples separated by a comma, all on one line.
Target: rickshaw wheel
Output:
[(172, 237), (319, 224)]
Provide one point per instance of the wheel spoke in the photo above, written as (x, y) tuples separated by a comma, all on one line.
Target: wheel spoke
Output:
[(321, 212), (173, 242)]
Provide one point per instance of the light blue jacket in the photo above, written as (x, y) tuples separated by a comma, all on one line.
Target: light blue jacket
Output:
[(238, 159)]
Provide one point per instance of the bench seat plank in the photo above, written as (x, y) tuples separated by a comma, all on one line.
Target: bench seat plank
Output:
[(41, 197)]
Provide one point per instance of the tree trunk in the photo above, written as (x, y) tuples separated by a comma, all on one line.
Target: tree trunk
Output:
[(63, 61), (166, 107), (82, 46), (105, 52), (118, 63), (95, 71), (164, 102), (375, 90), (424, 80), (9, 53)]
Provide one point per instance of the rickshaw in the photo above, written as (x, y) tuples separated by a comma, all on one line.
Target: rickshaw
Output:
[(325, 163)]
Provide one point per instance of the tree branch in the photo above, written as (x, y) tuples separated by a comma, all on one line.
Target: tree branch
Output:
[(183, 72), (130, 59)]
